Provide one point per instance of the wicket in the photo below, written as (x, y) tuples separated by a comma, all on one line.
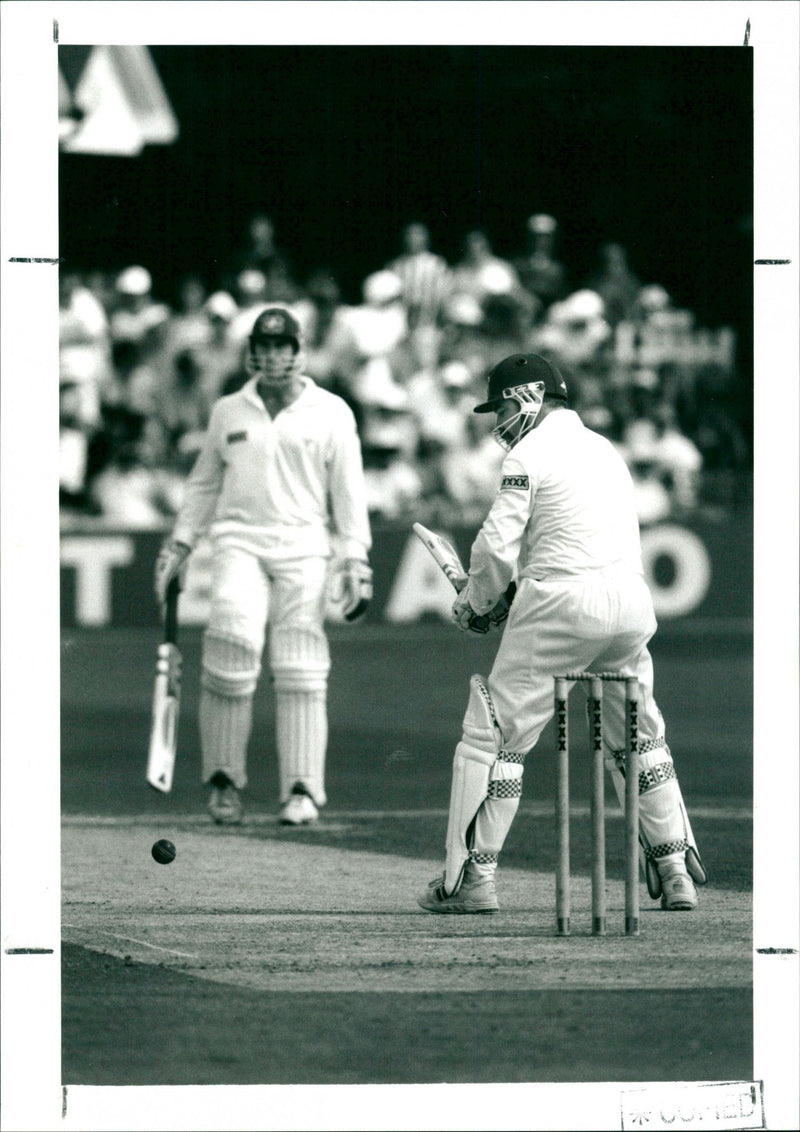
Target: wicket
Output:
[(597, 800)]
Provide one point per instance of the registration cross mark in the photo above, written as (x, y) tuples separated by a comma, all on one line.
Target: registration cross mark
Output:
[(641, 1117)]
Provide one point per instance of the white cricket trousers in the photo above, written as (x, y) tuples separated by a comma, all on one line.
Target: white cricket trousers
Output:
[(599, 624), (249, 594)]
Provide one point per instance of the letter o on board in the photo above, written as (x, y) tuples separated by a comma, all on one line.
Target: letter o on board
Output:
[(689, 567)]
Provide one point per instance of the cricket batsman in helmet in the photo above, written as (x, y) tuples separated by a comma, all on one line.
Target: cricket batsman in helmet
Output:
[(278, 487), (564, 523)]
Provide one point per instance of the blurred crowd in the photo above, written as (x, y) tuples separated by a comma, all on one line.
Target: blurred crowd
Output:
[(138, 374)]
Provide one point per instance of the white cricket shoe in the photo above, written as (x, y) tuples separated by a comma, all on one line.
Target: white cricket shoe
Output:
[(225, 805), (678, 893), (300, 808), (475, 896)]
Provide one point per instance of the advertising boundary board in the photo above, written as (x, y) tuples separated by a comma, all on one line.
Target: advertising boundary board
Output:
[(699, 570)]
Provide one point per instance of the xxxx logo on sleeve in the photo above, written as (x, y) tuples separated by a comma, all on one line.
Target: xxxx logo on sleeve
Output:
[(509, 482)]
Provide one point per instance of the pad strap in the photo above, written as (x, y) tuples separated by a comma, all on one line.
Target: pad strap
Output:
[(300, 659), (653, 852), (511, 757), (643, 748), (231, 666), (664, 827), (504, 788), (654, 775)]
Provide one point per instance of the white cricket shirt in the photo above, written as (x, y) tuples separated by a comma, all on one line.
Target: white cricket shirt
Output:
[(565, 510), (279, 486)]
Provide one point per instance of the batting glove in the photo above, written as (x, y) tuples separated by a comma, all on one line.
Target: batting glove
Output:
[(500, 612), (467, 619), (357, 579), (170, 559)]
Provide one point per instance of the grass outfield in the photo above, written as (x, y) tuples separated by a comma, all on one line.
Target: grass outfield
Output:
[(353, 1038), (299, 956), (396, 701)]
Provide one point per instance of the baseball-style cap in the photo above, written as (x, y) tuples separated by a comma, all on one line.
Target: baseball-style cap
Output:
[(522, 369), (276, 322)]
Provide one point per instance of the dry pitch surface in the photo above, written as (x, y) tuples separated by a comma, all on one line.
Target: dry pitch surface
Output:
[(238, 907), (265, 960)]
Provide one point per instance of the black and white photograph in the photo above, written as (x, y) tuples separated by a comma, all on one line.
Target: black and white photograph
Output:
[(400, 565)]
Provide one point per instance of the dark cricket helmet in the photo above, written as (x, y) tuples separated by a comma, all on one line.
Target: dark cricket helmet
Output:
[(276, 322), (521, 369)]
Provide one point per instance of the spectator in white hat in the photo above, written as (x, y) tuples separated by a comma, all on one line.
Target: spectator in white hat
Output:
[(441, 402), (220, 355), (462, 335), (541, 273), (188, 327), (574, 329), (322, 314), (376, 330), (251, 297), (616, 283), (480, 272), (261, 252), (136, 314), (385, 408), (84, 348)]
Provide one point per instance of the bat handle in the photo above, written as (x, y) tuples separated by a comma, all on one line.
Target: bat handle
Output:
[(458, 581), (171, 611)]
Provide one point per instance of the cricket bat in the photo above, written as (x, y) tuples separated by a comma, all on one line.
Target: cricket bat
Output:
[(166, 699), (446, 558), (444, 555)]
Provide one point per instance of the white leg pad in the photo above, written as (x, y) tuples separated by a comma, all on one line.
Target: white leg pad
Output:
[(231, 669), (474, 758), (497, 812), (225, 725), (302, 740), (300, 663), (471, 768), (664, 829)]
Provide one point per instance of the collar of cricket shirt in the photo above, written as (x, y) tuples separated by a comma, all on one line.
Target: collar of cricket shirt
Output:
[(567, 417), (251, 394)]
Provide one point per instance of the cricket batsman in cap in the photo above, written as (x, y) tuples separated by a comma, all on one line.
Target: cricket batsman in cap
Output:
[(564, 524)]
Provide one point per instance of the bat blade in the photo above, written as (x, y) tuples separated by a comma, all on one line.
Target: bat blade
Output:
[(164, 724), (444, 555), (166, 699)]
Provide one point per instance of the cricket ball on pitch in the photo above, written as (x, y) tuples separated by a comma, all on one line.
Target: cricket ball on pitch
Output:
[(163, 851)]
